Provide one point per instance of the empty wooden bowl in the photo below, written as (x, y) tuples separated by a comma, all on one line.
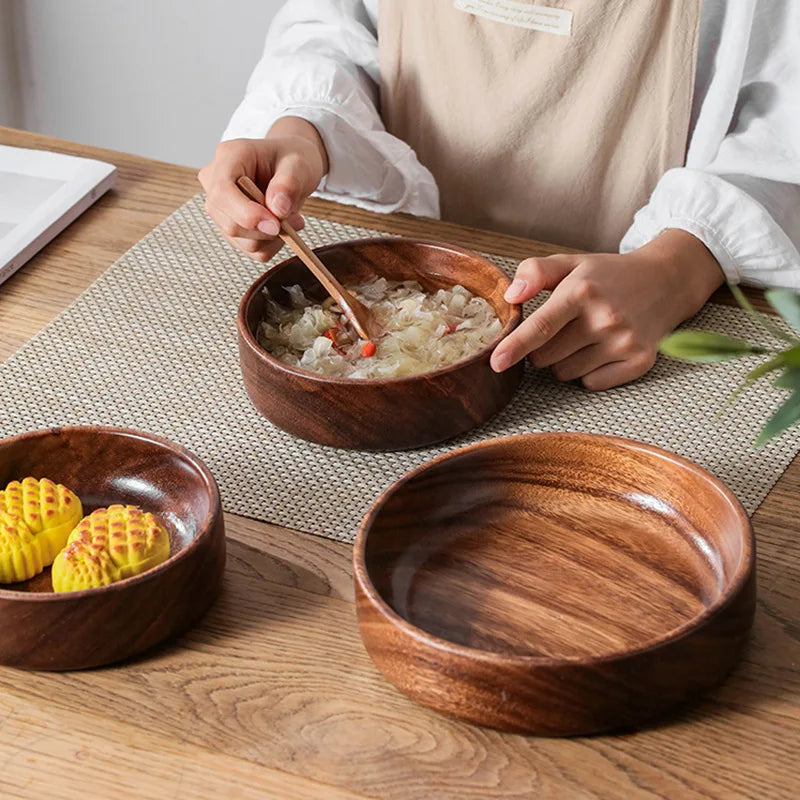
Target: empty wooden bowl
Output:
[(40, 629), (380, 414), (555, 584)]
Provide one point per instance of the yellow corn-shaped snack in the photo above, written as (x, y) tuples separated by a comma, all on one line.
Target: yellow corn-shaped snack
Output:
[(20, 552), (132, 540), (49, 510)]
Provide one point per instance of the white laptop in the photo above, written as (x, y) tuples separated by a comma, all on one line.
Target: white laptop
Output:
[(40, 194)]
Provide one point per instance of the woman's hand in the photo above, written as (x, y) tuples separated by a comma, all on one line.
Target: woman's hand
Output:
[(287, 164), (608, 313)]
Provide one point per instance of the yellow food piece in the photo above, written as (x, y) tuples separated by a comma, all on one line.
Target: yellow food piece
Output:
[(110, 544), (83, 566), (20, 551), (49, 510)]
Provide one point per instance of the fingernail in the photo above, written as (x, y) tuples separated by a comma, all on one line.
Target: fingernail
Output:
[(281, 204), (501, 362), (268, 226), (516, 289)]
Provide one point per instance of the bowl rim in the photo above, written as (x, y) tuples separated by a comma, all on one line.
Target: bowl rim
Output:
[(204, 530), (744, 571), (248, 337)]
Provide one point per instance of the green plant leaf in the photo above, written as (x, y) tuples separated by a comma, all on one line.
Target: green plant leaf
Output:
[(787, 304), (762, 369), (706, 346), (730, 400), (789, 379), (750, 379), (791, 357), (786, 416), (762, 319), (741, 299)]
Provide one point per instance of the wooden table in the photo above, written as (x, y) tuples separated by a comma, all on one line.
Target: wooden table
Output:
[(272, 695)]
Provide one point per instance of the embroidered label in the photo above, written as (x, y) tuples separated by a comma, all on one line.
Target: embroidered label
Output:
[(523, 15)]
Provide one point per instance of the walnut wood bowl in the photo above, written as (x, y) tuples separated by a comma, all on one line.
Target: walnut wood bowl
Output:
[(380, 414), (555, 584), (40, 629)]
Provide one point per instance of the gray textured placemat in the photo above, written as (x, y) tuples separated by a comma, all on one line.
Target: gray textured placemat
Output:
[(152, 345)]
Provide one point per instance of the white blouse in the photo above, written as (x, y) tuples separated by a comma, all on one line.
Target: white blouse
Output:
[(739, 191)]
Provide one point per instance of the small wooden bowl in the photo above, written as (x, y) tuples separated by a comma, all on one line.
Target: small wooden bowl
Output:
[(382, 414), (40, 629), (555, 584)]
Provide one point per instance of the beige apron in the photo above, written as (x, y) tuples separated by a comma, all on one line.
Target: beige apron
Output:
[(557, 138)]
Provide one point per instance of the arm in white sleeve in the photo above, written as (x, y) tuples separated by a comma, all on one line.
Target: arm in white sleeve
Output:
[(320, 63), (739, 192)]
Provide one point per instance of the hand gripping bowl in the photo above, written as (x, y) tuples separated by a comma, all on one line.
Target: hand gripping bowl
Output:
[(40, 629), (555, 584), (379, 414)]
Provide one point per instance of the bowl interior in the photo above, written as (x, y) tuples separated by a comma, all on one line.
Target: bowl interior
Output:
[(559, 546), (434, 266), (105, 466)]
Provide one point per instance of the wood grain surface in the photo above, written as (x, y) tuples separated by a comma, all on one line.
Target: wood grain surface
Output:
[(379, 414), (555, 583), (273, 692)]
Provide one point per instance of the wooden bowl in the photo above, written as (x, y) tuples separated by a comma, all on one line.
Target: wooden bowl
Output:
[(40, 629), (381, 414), (555, 584)]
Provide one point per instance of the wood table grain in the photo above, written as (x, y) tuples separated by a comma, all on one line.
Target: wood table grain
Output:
[(273, 696)]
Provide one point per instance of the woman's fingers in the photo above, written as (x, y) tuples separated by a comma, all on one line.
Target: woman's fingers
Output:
[(296, 221), (584, 361), (604, 365), (540, 327), (225, 197), (287, 167), (259, 251), (574, 336), (265, 248), (231, 230), (617, 373), (241, 219), (288, 187), (534, 275), (238, 215)]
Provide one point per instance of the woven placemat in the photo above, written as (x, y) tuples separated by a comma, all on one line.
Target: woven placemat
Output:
[(152, 345)]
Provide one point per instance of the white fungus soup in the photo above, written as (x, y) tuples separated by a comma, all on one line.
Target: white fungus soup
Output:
[(423, 331)]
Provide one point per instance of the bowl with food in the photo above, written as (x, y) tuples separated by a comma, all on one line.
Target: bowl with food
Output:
[(111, 541), (426, 379)]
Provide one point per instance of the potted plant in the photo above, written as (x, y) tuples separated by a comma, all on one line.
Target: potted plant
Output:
[(783, 362)]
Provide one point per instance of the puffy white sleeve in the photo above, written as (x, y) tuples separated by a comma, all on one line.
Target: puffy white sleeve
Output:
[(320, 63), (739, 192)]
